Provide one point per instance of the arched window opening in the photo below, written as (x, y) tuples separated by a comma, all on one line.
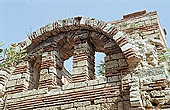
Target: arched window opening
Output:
[(67, 70), (35, 68), (99, 63), (68, 64)]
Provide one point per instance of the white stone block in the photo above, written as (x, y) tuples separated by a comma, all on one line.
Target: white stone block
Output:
[(118, 35), (93, 107)]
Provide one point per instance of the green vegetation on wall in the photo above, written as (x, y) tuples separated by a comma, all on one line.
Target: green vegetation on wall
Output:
[(101, 68), (10, 56)]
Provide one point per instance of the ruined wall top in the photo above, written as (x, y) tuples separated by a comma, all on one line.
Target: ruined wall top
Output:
[(135, 77)]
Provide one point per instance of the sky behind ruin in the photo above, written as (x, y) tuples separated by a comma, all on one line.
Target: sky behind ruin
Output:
[(20, 17)]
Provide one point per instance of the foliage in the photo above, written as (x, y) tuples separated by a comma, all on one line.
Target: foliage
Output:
[(1, 50), (134, 36), (11, 56), (168, 70), (168, 49), (165, 57), (133, 25), (101, 68), (124, 24)]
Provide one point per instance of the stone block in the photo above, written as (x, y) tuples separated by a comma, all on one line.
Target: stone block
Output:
[(17, 82), (100, 86), (118, 35), (81, 104), (108, 27), (80, 70), (111, 64), (116, 56), (66, 106), (80, 84), (93, 107), (92, 82), (99, 101), (89, 88), (134, 88), (109, 44), (46, 77), (83, 20), (71, 109), (55, 71), (27, 42), (68, 86), (44, 71), (81, 108), (157, 93), (69, 91), (113, 79), (126, 47), (136, 103), (81, 63), (15, 76), (112, 100), (107, 58), (135, 94), (102, 80), (111, 84), (48, 108), (122, 62), (109, 106)]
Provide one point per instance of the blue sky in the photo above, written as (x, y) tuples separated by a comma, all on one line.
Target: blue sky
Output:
[(18, 17)]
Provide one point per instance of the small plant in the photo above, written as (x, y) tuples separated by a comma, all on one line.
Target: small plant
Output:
[(1, 51), (165, 57), (168, 69), (101, 68), (134, 36), (168, 49), (133, 25), (11, 56), (124, 24), (29, 32)]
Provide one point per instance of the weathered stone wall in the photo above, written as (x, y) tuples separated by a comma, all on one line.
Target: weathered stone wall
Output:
[(146, 36), (135, 78)]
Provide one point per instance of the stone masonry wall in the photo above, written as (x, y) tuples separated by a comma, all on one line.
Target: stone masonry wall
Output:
[(135, 77)]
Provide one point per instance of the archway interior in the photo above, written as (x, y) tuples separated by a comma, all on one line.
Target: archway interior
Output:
[(66, 44), (99, 58), (97, 40)]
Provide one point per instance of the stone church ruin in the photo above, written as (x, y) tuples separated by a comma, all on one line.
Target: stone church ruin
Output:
[(134, 79)]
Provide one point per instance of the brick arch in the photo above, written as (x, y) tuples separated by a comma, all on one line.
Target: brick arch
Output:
[(119, 52), (78, 23)]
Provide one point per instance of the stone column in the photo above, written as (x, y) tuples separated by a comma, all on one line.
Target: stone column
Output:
[(51, 70), (83, 62), (19, 80)]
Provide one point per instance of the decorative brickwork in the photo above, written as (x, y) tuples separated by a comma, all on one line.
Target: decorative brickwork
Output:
[(134, 79)]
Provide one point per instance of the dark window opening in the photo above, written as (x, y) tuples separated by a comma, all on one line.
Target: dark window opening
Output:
[(155, 102), (92, 102), (35, 67)]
